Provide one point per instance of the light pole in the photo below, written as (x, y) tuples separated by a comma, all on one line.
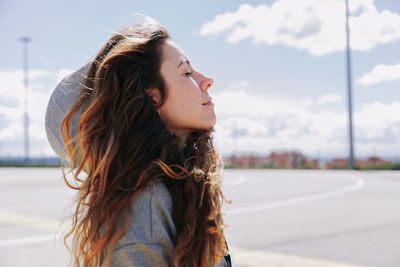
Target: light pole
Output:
[(25, 41), (349, 90)]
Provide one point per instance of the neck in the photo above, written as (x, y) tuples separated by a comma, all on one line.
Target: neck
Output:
[(182, 135)]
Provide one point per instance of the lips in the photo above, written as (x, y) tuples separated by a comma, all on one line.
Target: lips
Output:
[(208, 102)]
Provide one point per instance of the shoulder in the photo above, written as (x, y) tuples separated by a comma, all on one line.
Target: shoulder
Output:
[(159, 193), (151, 233), (151, 218), (155, 199)]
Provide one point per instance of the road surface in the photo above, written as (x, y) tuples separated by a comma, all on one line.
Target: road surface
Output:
[(292, 218)]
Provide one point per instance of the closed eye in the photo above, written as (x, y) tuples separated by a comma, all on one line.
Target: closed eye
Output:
[(189, 73)]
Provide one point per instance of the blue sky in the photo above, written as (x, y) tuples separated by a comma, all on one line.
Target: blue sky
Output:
[(278, 67)]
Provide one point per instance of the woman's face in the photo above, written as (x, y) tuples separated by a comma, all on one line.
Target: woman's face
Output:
[(187, 106)]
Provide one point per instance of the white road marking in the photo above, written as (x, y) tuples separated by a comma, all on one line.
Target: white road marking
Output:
[(255, 258), (27, 240), (298, 200), (30, 221)]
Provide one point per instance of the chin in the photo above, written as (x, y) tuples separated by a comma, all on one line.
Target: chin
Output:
[(207, 127), (213, 121), (211, 124), (205, 124)]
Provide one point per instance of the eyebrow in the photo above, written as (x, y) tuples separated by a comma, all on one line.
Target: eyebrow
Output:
[(186, 61)]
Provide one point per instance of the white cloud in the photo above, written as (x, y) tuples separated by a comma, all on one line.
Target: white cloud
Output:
[(41, 85), (305, 102), (329, 99), (381, 73), (261, 123), (312, 25), (246, 122)]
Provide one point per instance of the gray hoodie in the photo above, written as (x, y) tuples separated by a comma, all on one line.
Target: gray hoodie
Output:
[(151, 233)]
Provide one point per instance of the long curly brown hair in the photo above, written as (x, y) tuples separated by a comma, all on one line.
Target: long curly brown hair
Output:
[(123, 145)]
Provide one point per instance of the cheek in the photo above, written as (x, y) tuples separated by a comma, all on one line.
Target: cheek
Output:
[(181, 105), (185, 94)]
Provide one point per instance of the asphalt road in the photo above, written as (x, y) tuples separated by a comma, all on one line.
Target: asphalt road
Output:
[(290, 218)]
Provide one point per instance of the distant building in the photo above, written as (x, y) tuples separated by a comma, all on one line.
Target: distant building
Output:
[(290, 160), (374, 161), (248, 161), (337, 164), (344, 163)]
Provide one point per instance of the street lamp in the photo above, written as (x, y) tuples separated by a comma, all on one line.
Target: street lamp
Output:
[(25, 41), (349, 90)]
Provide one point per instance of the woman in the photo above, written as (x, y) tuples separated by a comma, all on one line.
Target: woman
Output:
[(138, 120)]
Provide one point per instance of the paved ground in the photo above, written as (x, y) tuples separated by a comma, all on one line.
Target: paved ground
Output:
[(277, 218)]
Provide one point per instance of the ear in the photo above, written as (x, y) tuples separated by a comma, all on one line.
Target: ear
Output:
[(154, 93)]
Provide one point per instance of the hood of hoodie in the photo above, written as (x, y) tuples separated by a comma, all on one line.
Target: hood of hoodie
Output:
[(60, 103)]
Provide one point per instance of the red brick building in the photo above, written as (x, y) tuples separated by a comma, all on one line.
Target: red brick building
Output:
[(344, 163), (290, 160)]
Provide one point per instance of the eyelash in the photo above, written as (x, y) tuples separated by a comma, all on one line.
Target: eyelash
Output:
[(188, 73)]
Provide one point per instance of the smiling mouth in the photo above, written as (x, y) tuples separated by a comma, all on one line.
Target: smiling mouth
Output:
[(209, 102)]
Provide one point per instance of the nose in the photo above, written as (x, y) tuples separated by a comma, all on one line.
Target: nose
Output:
[(206, 82)]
